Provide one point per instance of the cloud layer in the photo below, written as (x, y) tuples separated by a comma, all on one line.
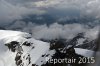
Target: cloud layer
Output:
[(56, 31), (11, 10)]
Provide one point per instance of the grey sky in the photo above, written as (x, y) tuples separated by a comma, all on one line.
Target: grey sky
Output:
[(15, 9)]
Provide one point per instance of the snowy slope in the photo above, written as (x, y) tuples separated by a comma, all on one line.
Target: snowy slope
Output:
[(19, 48), (30, 54), (84, 52)]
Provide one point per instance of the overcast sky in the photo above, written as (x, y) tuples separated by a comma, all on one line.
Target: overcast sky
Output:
[(15, 9), (11, 10)]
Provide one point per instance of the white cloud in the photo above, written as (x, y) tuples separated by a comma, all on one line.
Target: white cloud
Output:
[(61, 3), (92, 33), (93, 8), (67, 31), (55, 30), (85, 7)]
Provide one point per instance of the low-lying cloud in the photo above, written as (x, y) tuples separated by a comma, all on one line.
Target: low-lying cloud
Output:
[(58, 31)]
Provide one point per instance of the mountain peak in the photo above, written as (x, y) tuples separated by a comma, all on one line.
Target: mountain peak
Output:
[(23, 50)]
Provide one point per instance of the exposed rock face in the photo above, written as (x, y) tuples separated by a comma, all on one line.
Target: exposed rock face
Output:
[(63, 52), (16, 46), (12, 45), (80, 41)]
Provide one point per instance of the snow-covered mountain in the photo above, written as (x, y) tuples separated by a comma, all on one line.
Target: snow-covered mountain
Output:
[(17, 48), (20, 49)]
